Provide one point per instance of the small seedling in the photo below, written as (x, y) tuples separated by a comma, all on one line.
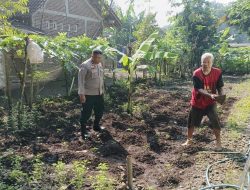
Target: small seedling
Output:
[(38, 170), (168, 166), (16, 174), (102, 180), (79, 171), (61, 173)]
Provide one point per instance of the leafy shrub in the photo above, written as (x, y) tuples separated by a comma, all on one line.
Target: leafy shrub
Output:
[(61, 174), (38, 170), (102, 180), (16, 174), (28, 118), (79, 171), (236, 61)]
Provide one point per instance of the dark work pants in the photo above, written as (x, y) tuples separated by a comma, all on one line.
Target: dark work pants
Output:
[(96, 103)]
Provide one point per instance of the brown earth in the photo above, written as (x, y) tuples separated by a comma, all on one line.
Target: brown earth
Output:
[(153, 136)]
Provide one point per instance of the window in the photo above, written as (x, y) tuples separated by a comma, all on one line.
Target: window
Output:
[(50, 24), (47, 24), (76, 28), (54, 26)]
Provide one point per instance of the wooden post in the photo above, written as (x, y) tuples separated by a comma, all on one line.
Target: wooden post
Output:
[(130, 172)]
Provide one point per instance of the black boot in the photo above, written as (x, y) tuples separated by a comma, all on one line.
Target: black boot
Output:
[(98, 128), (84, 132)]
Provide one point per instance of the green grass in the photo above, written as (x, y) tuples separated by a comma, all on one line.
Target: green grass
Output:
[(239, 116)]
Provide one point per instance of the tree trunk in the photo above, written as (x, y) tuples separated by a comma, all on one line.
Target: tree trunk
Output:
[(165, 67), (66, 80), (31, 86), (18, 73), (130, 90), (113, 70), (8, 82), (160, 64), (20, 104), (129, 107), (155, 76)]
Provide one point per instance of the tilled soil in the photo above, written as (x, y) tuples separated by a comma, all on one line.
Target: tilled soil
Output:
[(152, 136)]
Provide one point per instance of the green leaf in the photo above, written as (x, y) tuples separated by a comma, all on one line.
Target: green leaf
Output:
[(169, 55), (159, 54), (151, 69), (200, 27), (124, 60), (225, 32), (144, 47)]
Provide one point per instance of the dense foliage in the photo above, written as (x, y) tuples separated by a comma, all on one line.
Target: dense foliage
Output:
[(174, 53), (239, 15)]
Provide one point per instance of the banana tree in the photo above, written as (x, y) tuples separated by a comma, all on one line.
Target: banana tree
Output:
[(133, 61), (157, 60)]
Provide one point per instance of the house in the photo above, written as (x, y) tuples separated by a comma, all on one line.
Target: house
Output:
[(75, 17)]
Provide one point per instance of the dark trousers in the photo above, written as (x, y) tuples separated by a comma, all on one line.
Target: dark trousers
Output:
[(196, 115), (95, 103)]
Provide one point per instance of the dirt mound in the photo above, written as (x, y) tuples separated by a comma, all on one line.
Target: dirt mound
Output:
[(183, 163), (111, 148), (192, 150), (169, 181), (132, 139), (147, 158), (138, 170)]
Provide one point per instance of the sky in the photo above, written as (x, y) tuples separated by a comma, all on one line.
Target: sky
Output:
[(161, 7)]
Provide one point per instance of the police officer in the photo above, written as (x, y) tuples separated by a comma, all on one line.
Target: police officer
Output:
[(90, 90)]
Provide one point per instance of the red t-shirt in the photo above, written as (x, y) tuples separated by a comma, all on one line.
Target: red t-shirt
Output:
[(211, 82)]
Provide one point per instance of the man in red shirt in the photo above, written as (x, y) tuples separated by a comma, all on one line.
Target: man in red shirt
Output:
[(207, 82)]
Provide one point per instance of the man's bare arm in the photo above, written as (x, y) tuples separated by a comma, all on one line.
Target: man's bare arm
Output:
[(205, 93)]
